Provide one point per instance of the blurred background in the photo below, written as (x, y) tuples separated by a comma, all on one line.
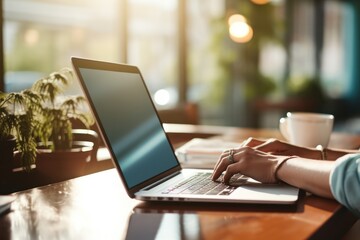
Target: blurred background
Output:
[(232, 62)]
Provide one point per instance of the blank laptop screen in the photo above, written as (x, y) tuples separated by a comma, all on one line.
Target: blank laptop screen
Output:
[(131, 125)]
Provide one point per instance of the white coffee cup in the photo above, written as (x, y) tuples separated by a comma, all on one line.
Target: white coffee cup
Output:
[(307, 129)]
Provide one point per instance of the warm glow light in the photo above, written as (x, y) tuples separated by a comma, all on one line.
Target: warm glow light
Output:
[(162, 97), (260, 2), (236, 18), (240, 32), (239, 29)]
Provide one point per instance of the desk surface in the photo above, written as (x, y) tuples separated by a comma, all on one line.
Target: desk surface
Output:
[(97, 207)]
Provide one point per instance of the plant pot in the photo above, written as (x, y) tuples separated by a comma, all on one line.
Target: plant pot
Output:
[(7, 147), (64, 164)]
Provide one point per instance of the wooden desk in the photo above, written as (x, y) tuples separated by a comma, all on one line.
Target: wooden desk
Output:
[(97, 207)]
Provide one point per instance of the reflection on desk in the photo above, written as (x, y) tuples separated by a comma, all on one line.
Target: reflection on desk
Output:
[(149, 226), (90, 207)]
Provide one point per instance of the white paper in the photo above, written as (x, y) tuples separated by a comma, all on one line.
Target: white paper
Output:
[(203, 153)]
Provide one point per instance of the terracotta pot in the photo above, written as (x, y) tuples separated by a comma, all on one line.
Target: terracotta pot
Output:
[(64, 164)]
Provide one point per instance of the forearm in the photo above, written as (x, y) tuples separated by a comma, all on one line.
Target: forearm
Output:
[(334, 154), (277, 147), (307, 174), (331, 153)]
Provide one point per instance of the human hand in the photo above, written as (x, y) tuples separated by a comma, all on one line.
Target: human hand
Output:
[(277, 147), (251, 162)]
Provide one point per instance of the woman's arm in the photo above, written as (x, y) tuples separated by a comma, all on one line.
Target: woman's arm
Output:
[(310, 175), (278, 147), (338, 179)]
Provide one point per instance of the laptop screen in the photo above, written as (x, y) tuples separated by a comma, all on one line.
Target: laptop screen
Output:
[(130, 123)]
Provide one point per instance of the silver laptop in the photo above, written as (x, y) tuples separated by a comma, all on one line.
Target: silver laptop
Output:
[(141, 151)]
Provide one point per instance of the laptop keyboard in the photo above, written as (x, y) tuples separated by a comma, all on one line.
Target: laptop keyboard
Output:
[(201, 183)]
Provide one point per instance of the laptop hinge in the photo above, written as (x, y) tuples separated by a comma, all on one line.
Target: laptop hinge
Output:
[(161, 181)]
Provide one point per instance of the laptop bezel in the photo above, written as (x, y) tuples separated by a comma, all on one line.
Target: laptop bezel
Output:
[(79, 63)]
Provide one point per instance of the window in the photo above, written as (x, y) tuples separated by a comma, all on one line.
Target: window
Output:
[(291, 42), (152, 45), (41, 36), (202, 58)]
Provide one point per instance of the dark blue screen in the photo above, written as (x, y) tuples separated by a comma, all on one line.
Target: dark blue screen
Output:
[(131, 125)]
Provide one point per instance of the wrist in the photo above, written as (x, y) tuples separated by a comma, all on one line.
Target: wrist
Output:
[(279, 164)]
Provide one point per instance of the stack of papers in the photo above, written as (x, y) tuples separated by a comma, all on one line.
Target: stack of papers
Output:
[(202, 153), (5, 202)]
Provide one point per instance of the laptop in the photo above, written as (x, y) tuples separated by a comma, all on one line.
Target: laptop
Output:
[(142, 153)]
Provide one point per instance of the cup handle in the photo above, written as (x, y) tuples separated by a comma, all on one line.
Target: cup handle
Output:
[(283, 128)]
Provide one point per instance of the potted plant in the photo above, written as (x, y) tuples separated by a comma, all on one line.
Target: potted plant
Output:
[(58, 111), (39, 120), (57, 148), (18, 122), (17, 132)]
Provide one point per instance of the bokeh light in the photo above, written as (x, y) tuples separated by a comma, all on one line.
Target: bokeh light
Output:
[(260, 2), (240, 31), (236, 18), (162, 97)]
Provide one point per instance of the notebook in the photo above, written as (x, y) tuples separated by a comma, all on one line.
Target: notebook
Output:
[(142, 153)]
